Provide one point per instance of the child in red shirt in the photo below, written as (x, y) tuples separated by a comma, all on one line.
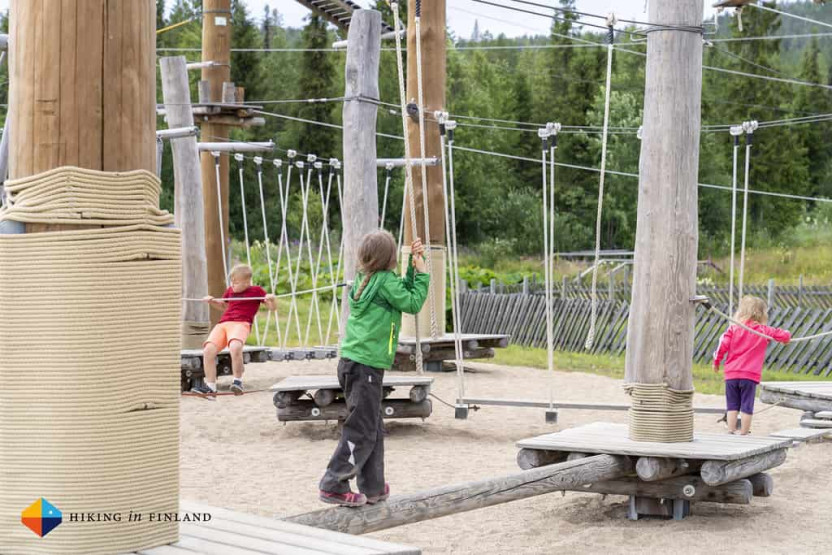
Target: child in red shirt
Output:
[(233, 328), (744, 354)]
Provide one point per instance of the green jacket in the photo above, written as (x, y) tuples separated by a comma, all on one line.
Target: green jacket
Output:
[(372, 333)]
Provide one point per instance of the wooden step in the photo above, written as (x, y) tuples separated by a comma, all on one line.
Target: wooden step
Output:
[(801, 435), (815, 423)]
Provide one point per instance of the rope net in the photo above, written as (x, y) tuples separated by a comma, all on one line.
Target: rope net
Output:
[(75, 428)]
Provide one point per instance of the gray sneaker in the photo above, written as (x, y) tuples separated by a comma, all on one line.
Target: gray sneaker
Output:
[(204, 391), (237, 387)]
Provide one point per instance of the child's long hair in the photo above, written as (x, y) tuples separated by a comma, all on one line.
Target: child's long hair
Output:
[(752, 308), (376, 253)]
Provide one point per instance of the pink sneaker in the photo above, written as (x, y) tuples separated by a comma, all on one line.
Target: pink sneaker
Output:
[(348, 499), (373, 499)]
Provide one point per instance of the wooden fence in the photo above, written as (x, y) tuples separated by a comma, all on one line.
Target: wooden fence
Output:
[(523, 317), (778, 296)]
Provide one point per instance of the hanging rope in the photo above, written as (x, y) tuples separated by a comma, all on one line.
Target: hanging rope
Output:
[(724, 316), (335, 312), (590, 340), (239, 158), (447, 128), (389, 170), (434, 332), (749, 127), (216, 156), (394, 6), (293, 275), (735, 131), (258, 163), (278, 165)]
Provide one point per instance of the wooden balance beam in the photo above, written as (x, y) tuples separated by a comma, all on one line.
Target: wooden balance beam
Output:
[(435, 503)]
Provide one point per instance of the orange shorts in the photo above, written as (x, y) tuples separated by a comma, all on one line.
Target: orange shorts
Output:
[(225, 332)]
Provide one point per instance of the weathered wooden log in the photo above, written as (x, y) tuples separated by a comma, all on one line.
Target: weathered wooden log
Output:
[(418, 393), (762, 484), (535, 458), (823, 415), (794, 402), (692, 488), (576, 456), (407, 509), (816, 423), (305, 409), (721, 472), (651, 469), (324, 397), (285, 398)]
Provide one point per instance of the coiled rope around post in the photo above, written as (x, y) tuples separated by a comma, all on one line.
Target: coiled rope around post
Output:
[(659, 413), (590, 340), (394, 6), (75, 428)]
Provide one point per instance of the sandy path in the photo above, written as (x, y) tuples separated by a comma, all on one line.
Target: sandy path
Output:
[(235, 454)]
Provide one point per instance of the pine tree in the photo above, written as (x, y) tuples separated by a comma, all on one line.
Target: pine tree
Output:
[(317, 75), (817, 138), (475, 35)]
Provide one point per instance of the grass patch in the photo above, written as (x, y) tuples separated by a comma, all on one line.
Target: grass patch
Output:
[(705, 380)]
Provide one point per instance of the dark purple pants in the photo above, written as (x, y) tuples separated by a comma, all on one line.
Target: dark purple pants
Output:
[(739, 395)]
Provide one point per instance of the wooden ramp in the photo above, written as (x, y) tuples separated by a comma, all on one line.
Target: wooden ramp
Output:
[(326, 400), (809, 396), (604, 437), (233, 533)]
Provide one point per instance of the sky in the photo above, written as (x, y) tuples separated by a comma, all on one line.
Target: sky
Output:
[(463, 13)]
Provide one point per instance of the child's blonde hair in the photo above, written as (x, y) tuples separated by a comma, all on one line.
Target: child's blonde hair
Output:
[(376, 253), (241, 271), (752, 308)]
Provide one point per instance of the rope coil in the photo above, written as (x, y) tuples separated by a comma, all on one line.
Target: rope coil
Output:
[(659, 413)]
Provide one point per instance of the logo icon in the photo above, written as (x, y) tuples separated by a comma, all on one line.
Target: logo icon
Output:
[(41, 517)]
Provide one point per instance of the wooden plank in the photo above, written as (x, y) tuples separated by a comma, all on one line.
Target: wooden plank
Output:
[(69, 120), (792, 401), (166, 550), (217, 542), (603, 437), (527, 403), (90, 80), (813, 390), (816, 423), (304, 410), (739, 492), (370, 544), (800, 435), (310, 383), (407, 509), (824, 415)]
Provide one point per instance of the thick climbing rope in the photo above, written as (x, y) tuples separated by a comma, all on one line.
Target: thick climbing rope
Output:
[(659, 413), (239, 158), (423, 172), (749, 127), (447, 128), (730, 319), (394, 6), (74, 422), (216, 156), (735, 131), (590, 340)]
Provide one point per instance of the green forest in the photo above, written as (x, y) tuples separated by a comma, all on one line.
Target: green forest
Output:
[(539, 79)]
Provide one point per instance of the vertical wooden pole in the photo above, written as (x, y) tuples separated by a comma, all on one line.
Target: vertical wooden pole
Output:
[(770, 295), (216, 47), (188, 211), (82, 84), (661, 325), (360, 209), (433, 38)]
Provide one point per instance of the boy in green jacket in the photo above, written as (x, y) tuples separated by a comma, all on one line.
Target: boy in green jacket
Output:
[(367, 349)]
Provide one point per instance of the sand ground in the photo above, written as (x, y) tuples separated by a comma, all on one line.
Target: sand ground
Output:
[(237, 455)]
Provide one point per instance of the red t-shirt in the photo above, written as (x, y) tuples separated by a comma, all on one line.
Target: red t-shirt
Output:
[(242, 311)]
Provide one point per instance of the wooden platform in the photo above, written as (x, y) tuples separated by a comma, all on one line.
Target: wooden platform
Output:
[(801, 435), (326, 401), (604, 437), (807, 396), (441, 349), (233, 533)]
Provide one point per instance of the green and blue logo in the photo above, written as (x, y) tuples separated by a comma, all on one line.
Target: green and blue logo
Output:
[(41, 517)]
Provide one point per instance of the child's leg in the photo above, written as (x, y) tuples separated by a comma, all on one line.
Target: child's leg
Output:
[(732, 403), (363, 390), (235, 347), (748, 389), (371, 476), (209, 360), (731, 419)]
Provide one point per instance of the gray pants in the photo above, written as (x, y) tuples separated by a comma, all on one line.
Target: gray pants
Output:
[(360, 451)]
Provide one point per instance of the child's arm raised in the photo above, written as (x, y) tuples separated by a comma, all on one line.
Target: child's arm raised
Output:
[(781, 336), (722, 349), (219, 304), (408, 294)]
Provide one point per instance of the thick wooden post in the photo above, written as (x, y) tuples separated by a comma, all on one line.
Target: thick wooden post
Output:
[(189, 211), (433, 38), (216, 47), (360, 209), (82, 83), (660, 330)]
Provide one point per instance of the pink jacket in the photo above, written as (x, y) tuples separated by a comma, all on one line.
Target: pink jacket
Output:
[(745, 351)]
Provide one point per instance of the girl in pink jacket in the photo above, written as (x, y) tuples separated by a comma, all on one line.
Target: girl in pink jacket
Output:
[(744, 354)]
